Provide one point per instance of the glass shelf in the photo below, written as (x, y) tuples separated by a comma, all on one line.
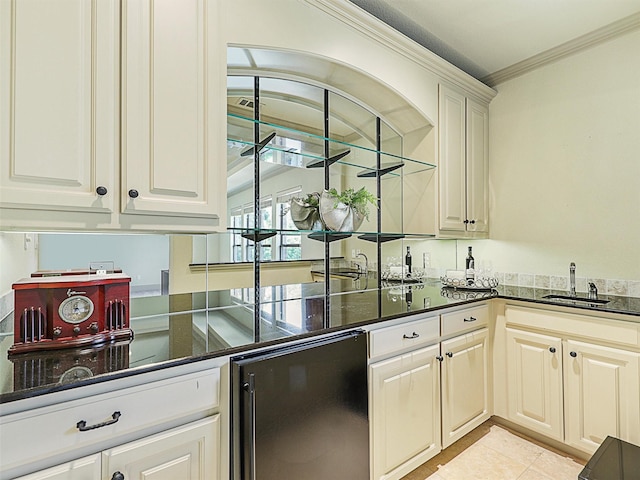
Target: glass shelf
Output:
[(296, 148), (262, 234)]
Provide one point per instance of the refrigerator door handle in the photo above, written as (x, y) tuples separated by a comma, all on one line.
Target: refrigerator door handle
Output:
[(251, 386)]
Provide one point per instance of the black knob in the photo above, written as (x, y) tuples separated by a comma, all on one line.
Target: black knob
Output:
[(133, 193), (101, 190), (439, 358), (117, 476), (472, 222), (573, 354), (466, 221), (552, 349), (449, 354)]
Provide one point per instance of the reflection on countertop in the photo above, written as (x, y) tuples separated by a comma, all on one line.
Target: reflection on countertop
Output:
[(172, 329)]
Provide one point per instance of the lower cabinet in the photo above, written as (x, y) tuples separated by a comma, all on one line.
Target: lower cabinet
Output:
[(425, 393), (577, 392), (465, 388), (190, 452), (405, 412), (86, 468), (534, 376), (601, 396)]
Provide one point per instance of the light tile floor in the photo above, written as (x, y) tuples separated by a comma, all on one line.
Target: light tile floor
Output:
[(493, 452)]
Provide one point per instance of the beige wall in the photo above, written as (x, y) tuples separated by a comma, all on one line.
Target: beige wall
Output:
[(565, 166)]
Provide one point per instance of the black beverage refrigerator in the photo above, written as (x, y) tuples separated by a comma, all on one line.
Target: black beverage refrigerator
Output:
[(301, 411)]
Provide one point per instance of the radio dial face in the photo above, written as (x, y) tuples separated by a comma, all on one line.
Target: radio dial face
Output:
[(75, 309)]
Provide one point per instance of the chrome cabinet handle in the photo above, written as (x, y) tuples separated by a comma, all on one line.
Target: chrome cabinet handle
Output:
[(413, 335), (82, 425), (552, 349), (133, 193), (470, 319), (101, 190)]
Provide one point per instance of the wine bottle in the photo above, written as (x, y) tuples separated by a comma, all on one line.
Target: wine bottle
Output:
[(470, 271), (407, 261)]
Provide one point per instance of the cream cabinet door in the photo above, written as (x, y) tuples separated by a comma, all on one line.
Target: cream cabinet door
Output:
[(59, 80), (87, 468), (405, 406), (465, 392), (534, 379), (191, 452), (477, 167), (173, 144), (452, 160), (463, 162), (602, 388)]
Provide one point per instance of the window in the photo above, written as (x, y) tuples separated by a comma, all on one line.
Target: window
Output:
[(235, 221), (266, 222), (289, 241)]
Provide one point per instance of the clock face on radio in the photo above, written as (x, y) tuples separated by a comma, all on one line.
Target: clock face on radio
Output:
[(75, 309)]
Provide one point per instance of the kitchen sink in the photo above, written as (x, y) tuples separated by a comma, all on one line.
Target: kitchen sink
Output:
[(570, 299)]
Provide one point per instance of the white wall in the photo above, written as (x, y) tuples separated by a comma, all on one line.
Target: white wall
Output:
[(142, 257), (565, 166)]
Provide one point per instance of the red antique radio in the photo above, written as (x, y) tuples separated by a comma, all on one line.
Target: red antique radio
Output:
[(70, 311)]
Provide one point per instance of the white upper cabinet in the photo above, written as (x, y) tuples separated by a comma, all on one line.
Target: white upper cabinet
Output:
[(463, 162), (59, 64), (172, 120), (112, 119)]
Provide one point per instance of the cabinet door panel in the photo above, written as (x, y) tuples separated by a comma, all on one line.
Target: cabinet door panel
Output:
[(58, 104), (452, 158), (405, 412), (477, 167), (602, 394), (534, 369), (188, 453), (170, 77), (465, 399), (87, 468)]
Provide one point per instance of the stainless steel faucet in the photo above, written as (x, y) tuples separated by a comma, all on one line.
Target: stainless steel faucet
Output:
[(572, 279), (366, 263), (593, 291)]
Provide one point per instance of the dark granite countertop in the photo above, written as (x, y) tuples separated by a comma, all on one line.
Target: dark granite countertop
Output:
[(178, 329)]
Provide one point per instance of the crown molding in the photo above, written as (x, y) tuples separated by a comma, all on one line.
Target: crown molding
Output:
[(378, 31), (571, 47)]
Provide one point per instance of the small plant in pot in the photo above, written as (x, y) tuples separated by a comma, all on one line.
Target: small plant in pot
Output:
[(345, 212), (305, 212)]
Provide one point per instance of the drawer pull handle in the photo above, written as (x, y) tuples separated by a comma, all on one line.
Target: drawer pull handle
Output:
[(117, 476), (413, 335), (470, 319), (82, 425), (552, 349), (449, 354), (439, 358), (573, 354)]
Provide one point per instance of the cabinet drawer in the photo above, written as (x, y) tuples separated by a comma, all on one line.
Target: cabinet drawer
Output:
[(464, 320), (594, 328), (403, 337), (56, 429)]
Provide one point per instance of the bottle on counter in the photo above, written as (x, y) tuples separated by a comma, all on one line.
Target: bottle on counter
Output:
[(407, 261), (470, 270)]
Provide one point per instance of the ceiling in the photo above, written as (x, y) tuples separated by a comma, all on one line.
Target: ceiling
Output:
[(483, 37)]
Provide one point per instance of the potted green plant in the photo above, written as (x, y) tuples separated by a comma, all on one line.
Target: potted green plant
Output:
[(345, 212)]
